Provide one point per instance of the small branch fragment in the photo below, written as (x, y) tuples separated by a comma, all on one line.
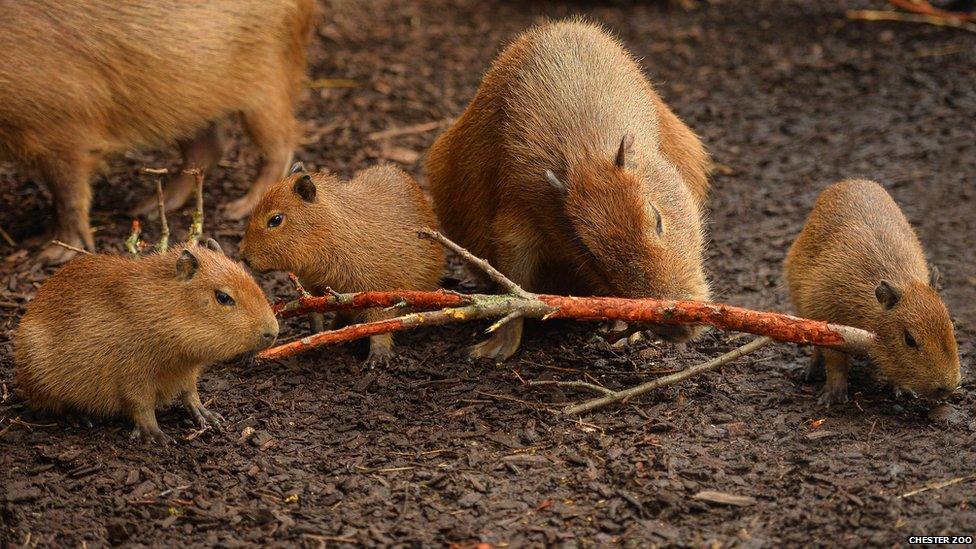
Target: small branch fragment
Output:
[(407, 130), (132, 243), (298, 285), (366, 300), (494, 274), (196, 226), (575, 384), (626, 394), (503, 321), (70, 247), (163, 243), (7, 238), (938, 20), (938, 485)]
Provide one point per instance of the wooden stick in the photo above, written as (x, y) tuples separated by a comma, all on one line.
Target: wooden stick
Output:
[(941, 21), (196, 226), (163, 243), (494, 274), (621, 396), (926, 8), (407, 130), (70, 247), (365, 300), (7, 238), (937, 485), (576, 384)]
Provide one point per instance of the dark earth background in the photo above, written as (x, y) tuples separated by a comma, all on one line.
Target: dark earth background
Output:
[(789, 96)]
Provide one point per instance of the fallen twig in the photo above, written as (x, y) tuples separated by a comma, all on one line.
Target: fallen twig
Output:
[(407, 130), (70, 247), (938, 485), (621, 396), (938, 20), (494, 274), (7, 238), (163, 243), (575, 384), (926, 8), (196, 226)]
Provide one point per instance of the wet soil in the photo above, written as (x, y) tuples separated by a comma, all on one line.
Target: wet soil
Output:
[(788, 96)]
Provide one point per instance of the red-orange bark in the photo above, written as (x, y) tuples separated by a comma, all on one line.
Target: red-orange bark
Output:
[(364, 300)]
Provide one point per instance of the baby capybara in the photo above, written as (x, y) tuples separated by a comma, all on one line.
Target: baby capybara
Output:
[(570, 174), (350, 236), (80, 79), (108, 335), (858, 262)]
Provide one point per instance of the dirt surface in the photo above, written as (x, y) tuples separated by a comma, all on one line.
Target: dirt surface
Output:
[(788, 96)]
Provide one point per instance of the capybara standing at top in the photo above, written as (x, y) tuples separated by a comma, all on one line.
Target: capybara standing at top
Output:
[(79, 79), (350, 236), (110, 335), (569, 174), (858, 262)]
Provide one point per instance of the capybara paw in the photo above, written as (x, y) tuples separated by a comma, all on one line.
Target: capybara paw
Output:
[(240, 208), (496, 348), (54, 254), (379, 357), (205, 417), (151, 435), (835, 395)]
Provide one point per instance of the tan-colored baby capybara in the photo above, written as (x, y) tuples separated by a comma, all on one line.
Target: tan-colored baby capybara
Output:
[(109, 335), (350, 236), (858, 262), (80, 79), (569, 174)]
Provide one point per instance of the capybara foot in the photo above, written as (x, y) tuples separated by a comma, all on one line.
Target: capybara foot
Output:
[(502, 344), (174, 197), (150, 434), (204, 417), (240, 208), (380, 352), (815, 370), (833, 395)]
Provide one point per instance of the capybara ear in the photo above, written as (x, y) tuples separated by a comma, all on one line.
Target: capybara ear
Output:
[(935, 278), (658, 221), (626, 143), (186, 266), (556, 182), (887, 294), (297, 167), (305, 188), (213, 245)]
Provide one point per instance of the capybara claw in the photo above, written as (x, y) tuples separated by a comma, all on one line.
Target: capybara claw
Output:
[(152, 435), (832, 396)]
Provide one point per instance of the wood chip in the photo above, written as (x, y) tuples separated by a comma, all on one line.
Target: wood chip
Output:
[(723, 498), (817, 435)]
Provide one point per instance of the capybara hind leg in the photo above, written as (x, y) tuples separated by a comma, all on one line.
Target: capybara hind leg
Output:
[(273, 130), (815, 368), (193, 405), (380, 346), (68, 178), (502, 344), (147, 428), (838, 369), (201, 152)]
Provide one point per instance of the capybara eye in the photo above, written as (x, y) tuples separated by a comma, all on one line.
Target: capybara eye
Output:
[(223, 298), (275, 220), (910, 341)]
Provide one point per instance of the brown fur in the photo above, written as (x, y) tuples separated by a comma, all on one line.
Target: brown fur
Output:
[(357, 235), (79, 79), (108, 335), (856, 237), (561, 98)]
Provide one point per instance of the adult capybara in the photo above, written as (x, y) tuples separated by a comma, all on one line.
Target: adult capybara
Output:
[(350, 236), (109, 335), (80, 79), (858, 262), (569, 173)]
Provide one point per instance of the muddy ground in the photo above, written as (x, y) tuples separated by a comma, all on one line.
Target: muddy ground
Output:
[(788, 96)]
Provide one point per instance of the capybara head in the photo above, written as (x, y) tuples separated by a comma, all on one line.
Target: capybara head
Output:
[(637, 231), (915, 344), (287, 226), (220, 309)]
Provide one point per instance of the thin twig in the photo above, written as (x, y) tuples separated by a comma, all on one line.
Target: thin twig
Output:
[(163, 243), (196, 226), (70, 247), (494, 274), (938, 485), (132, 243), (926, 8), (9, 239), (577, 384), (407, 130), (620, 396), (503, 321), (941, 21), (298, 285)]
